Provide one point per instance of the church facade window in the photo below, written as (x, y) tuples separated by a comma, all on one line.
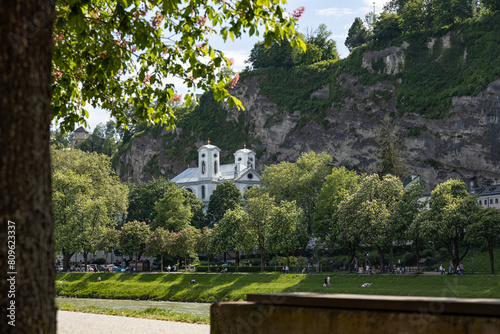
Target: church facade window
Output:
[(203, 167), (215, 167), (203, 192)]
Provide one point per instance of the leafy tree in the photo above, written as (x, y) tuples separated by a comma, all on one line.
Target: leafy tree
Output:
[(88, 197), (133, 237), (365, 216), (198, 219), (286, 231), (142, 199), (81, 39), (389, 152), (203, 244), (416, 16), (486, 230), (183, 243), (300, 181), (59, 139), (172, 212), (320, 39), (260, 209), (452, 212), (108, 241), (226, 196), (232, 233), (395, 6), (277, 55), (448, 12), (104, 41), (337, 186), (158, 244), (357, 35), (103, 140), (387, 27), (312, 55), (319, 47), (493, 5), (407, 219)]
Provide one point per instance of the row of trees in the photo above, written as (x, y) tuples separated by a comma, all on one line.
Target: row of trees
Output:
[(355, 211), (409, 16), (308, 199)]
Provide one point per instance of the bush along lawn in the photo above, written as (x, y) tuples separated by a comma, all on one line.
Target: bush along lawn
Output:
[(235, 286)]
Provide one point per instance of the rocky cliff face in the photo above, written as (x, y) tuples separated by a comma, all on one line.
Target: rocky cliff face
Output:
[(464, 145)]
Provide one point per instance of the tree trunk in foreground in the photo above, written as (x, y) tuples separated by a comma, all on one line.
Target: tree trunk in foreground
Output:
[(25, 175)]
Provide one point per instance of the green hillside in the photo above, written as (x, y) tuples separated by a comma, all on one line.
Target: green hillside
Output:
[(426, 84)]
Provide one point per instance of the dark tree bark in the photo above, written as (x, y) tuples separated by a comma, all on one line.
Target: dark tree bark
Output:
[(237, 261), (66, 258), (25, 179), (85, 260), (382, 260), (492, 259)]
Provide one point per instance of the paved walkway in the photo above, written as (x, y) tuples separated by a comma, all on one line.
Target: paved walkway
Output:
[(88, 323)]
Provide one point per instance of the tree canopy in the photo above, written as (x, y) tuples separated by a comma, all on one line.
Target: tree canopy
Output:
[(142, 199), (300, 181), (87, 198), (226, 196), (451, 214), (319, 46), (133, 238), (121, 55), (357, 35), (172, 212)]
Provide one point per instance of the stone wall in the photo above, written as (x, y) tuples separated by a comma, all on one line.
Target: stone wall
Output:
[(319, 313)]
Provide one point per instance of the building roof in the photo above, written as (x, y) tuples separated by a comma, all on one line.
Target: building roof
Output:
[(209, 147), (488, 191), (81, 129), (244, 151), (192, 174)]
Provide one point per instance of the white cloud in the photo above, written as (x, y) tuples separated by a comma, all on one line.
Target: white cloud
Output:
[(335, 12)]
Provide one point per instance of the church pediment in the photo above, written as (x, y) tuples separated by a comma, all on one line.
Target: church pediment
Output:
[(248, 175)]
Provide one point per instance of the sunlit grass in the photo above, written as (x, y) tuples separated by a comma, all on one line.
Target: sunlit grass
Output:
[(149, 313), (224, 287)]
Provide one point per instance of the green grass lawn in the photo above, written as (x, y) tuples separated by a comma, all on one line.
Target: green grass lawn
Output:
[(224, 287)]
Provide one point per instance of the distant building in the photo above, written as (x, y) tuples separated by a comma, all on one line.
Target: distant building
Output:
[(203, 180), (79, 135), (488, 196)]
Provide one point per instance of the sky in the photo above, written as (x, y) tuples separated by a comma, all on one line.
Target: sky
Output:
[(337, 15)]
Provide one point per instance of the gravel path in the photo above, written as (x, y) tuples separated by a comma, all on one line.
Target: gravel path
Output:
[(88, 323)]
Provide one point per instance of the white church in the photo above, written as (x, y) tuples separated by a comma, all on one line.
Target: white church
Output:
[(203, 180)]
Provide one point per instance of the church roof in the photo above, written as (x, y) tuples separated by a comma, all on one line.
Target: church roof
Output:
[(244, 151), (209, 147), (192, 174), (189, 175)]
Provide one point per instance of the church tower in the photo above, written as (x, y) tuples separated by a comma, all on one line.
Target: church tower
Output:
[(208, 162), (245, 157)]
